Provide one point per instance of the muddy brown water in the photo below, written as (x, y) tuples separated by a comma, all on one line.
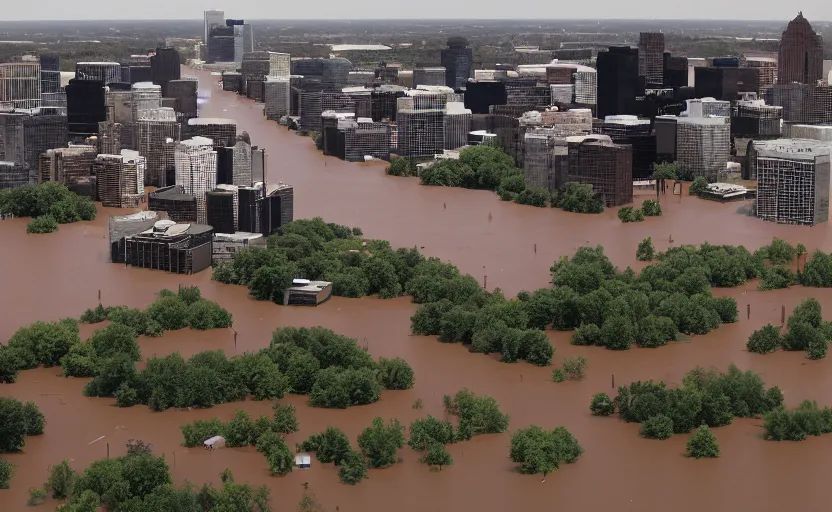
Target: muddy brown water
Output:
[(57, 275)]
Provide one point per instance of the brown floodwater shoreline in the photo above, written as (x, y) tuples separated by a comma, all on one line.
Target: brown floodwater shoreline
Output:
[(51, 276)]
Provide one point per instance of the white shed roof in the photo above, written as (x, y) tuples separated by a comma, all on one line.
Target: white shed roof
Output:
[(214, 440)]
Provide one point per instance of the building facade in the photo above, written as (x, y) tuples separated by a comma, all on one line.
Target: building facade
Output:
[(792, 180), (801, 53), (458, 61)]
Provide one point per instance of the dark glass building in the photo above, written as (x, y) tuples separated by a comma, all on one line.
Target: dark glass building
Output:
[(618, 81), (458, 60)]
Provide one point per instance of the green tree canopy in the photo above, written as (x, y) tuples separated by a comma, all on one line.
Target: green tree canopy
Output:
[(380, 443), (703, 444), (540, 451), (353, 468)]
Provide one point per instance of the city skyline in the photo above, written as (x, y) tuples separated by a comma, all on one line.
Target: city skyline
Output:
[(705, 10)]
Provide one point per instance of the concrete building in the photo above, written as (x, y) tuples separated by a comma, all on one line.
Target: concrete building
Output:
[(243, 40), (227, 245), (106, 72), (793, 178), (25, 134), (304, 292), (195, 162), (429, 76), (123, 226), (457, 125), (608, 167), (179, 206), (70, 166), (120, 179), (172, 247), (20, 84), (703, 145)]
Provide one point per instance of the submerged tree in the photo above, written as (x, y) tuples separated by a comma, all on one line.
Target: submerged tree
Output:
[(437, 456), (702, 444), (645, 251), (542, 451), (353, 468), (380, 442)]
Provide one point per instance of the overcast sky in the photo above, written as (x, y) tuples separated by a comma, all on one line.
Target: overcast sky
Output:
[(814, 10)]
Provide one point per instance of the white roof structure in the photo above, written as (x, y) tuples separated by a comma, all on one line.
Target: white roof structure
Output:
[(792, 149), (215, 441), (358, 47), (626, 119)]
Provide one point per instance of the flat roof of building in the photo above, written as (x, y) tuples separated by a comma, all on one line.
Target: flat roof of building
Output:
[(239, 236), (178, 229), (173, 192), (792, 149), (210, 120), (358, 47), (305, 285)]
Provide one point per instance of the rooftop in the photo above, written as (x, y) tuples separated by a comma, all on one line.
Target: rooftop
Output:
[(359, 47), (792, 149), (210, 120)]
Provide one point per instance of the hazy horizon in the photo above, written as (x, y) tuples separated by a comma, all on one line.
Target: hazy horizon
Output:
[(366, 10), (473, 20)]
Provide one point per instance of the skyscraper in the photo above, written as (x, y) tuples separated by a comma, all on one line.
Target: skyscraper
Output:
[(618, 81), (220, 44), (651, 57), (792, 180), (801, 53), (458, 60), (212, 18), (243, 38)]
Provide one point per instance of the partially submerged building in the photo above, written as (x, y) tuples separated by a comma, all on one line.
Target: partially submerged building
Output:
[(607, 166), (227, 245), (304, 292), (793, 179), (172, 247), (123, 226)]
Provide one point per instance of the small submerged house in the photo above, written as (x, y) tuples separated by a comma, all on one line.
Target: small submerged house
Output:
[(304, 292), (303, 460), (725, 192), (228, 245), (212, 443)]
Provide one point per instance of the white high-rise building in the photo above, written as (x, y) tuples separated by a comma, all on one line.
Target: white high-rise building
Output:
[(212, 18), (195, 162), (243, 41)]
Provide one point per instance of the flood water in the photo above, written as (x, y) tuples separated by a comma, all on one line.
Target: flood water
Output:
[(51, 276)]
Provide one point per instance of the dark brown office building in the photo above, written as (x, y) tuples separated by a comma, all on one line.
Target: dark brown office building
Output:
[(801, 53), (607, 166)]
